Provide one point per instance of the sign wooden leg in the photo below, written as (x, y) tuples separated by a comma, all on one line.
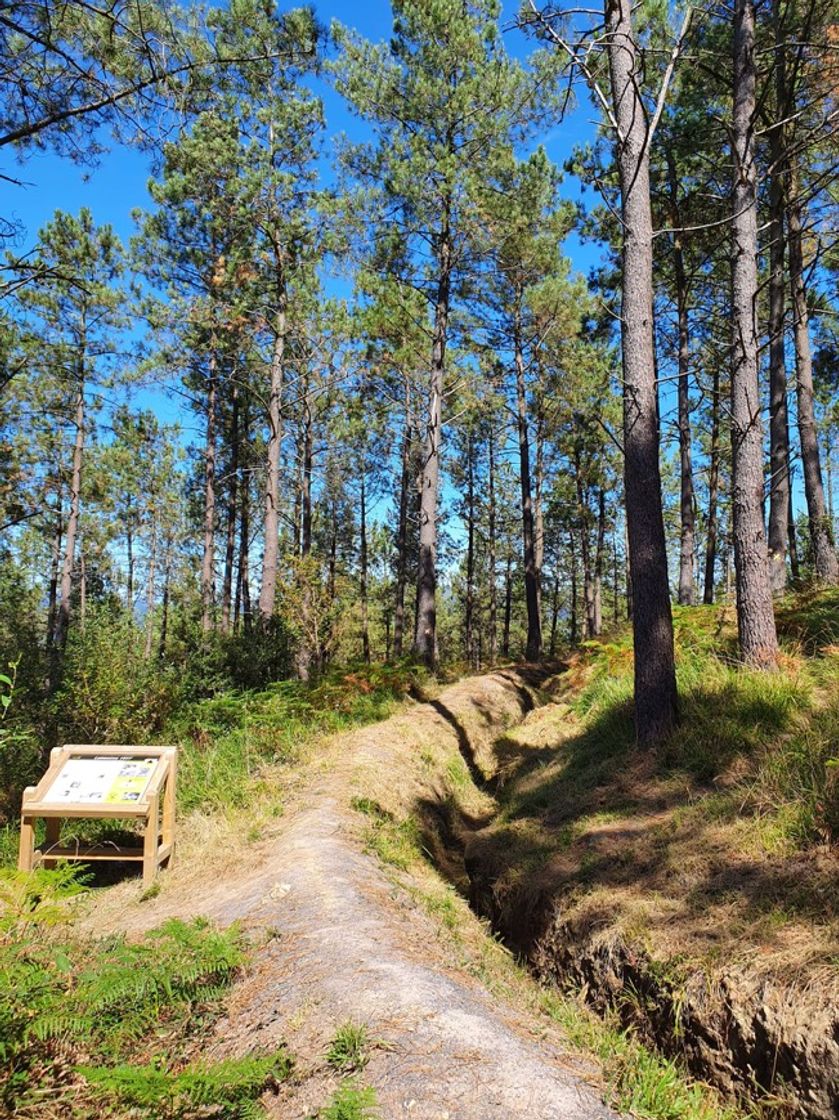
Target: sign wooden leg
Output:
[(169, 810), (26, 852), (150, 842), (53, 832)]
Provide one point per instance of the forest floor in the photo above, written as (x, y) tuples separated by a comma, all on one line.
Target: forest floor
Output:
[(344, 937)]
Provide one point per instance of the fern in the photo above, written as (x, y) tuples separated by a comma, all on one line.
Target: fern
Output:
[(229, 1089), (97, 1000)]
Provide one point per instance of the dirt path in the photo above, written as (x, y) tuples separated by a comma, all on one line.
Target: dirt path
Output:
[(341, 941)]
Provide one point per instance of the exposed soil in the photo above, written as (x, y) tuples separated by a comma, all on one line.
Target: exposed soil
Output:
[(339, 940)]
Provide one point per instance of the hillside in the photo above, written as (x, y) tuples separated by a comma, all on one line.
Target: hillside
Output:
[(689, 898)]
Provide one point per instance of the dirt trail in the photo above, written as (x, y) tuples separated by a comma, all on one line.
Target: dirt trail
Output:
[(340, 941)]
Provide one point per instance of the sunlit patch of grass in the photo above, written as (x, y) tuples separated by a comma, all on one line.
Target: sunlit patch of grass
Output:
[(349, 1049), (640, 1082), (351, 1102), (396, 843)]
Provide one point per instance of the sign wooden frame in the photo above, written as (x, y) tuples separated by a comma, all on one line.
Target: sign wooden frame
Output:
[(155, 808)]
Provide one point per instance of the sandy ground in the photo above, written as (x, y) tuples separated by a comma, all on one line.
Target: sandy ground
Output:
[(339, 941)]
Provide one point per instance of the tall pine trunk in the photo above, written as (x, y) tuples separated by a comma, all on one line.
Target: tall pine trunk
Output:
[(55, 567), (129, 552), (164, 606), (508, 607), (82, 587), (62, 622), (687, 503), (779, 482), (491, 545), (365, 606), (821, 535), (243, 610), (425, 640), (402, 529), (779, 477), (469, 612), (538, 506), (573, 629), (533, 649), (755, 619), (150, 591), (554, 615), (208, 559), (712, 530), (655, 671), (271, 520), (307, 650), (231, 514), (599, 555)]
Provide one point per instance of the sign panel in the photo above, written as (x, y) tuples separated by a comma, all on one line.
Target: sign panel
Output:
[(101, 780)]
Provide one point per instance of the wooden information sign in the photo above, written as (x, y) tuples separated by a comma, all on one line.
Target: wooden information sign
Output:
[(94, 783)]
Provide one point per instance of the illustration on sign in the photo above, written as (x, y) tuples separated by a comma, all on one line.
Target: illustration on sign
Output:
[(101, 780)]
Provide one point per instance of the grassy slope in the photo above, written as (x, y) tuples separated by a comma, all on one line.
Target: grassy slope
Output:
[(711, 860), (721, 843)]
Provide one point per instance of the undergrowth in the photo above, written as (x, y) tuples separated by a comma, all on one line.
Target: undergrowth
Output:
[(228, 740), (90, 1027)]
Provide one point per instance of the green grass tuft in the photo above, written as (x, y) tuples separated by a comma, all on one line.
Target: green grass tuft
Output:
[(349, 1049), (351, 1102)]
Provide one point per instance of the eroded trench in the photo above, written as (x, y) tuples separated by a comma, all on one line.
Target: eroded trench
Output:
[(766, 1043)]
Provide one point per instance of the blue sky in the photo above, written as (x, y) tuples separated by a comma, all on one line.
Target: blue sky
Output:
[(117, 184)]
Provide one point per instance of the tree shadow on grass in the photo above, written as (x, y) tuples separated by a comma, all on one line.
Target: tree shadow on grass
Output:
[(662, 830)]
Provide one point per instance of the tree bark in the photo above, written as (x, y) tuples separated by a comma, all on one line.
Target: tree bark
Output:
[(164, 606), (687, 501), (469, 612), (713, 492), (538, 506), (365, 607), (599, 554), (402, 530), (208, 560), (792, 535), (491, 559), (508, 608), (573, 629), (655, 671), (821, 536), (150, 591), (583, 517), (82, 587), (231, 514), (268, 586), (779, 475), (243, 609), (129, 549), (62, 623), (307, 465), (425, 640), (755, 619), (308, 649), (533, 649), (554, 615), (55, 567), (779, 487)]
